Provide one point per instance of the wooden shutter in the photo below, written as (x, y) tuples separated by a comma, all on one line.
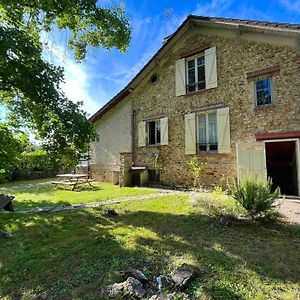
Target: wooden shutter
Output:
[(142, 134), (190, 133), (180, 77), (210, 68), (164, 132), (251, 162), (223, 130)]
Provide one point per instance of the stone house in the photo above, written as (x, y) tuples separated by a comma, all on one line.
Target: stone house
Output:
[(224, 90)]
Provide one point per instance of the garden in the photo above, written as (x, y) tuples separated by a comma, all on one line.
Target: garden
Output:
[(78, 254)]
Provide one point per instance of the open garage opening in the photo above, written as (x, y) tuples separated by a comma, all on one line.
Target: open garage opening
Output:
[(282, 160)]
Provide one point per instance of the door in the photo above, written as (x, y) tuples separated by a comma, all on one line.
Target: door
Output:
[(251, 162)]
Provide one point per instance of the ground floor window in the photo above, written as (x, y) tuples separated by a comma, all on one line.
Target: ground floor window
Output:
[(154, 132), (207, 132)]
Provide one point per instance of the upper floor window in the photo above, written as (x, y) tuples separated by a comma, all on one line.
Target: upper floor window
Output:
[(196, 74), (263, 91), (207, 132), (154, 132)]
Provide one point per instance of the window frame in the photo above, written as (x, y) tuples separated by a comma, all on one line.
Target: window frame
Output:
[(206, 113), (195, 59), (148, 132), (271, 91)]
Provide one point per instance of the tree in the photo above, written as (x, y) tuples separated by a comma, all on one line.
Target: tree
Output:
[(30, 86), (12, 145)]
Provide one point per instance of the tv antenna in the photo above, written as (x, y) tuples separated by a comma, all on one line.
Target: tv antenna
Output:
[(169, 13)]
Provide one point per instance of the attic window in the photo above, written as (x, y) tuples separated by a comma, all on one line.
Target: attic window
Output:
[(153, 78)]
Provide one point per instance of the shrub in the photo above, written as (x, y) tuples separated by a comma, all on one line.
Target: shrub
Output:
[(38, 164), (256, 198), (197, 166)]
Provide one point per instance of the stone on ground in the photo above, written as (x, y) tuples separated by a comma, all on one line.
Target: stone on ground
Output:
[(128, 289), (183, 275)]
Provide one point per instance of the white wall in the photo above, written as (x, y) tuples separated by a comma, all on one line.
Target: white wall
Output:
[(114, 130)]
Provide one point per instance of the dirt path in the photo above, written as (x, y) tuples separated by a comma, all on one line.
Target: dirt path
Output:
[(291, 210)]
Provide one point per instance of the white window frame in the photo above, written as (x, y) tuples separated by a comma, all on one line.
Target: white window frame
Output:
[(206, 113), (255, 90), (148, 132), (194, 58)]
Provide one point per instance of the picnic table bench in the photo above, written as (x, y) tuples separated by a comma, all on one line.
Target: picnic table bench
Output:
[(73, 180)]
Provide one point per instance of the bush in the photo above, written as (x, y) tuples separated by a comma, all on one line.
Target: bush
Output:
[(256, 198), (37, 164), (197, 167)]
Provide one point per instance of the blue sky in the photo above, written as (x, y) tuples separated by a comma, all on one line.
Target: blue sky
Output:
[(104, 73)]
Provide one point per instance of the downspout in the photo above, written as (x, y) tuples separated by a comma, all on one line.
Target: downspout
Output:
[(133, 133)]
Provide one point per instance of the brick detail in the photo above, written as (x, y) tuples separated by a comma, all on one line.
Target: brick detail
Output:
[(277, 135), (194, 51), (264, 71)]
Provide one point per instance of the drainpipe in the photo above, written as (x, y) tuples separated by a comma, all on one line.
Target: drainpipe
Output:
[(133, 114)]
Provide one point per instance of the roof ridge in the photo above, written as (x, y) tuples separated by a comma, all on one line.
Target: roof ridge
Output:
[(235, 20)]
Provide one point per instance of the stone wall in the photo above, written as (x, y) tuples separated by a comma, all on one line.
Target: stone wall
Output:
[(125, 176), (235, 57), (105, 173)]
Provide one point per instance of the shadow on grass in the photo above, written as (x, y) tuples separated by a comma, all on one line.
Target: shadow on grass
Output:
[(72, 254)]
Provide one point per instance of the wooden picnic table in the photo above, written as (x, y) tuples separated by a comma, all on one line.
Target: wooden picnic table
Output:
[(72, 180)]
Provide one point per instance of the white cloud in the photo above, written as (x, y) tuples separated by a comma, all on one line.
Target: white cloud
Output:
[(213, 8), (77, 85), (293, 6)]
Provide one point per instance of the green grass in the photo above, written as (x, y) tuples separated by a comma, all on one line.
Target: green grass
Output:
[(38, 193), (73, 255)]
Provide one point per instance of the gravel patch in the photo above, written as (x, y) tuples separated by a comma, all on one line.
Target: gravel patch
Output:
[(291, 210)]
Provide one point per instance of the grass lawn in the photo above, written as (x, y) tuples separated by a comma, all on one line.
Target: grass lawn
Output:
[(38, 193), (73, 255)]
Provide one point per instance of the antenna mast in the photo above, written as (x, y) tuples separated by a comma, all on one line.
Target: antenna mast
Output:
[(169, 12)]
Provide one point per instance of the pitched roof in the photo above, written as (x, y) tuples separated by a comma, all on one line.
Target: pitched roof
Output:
[(249, 23), (237, 23)]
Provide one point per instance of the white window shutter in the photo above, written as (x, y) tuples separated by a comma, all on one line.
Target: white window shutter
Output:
[(210, 57), (164, 132), (190, 133), (223, 130), (142, 134), (180, 77)]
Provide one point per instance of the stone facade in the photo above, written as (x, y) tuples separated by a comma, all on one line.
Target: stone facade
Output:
[(236, 57), (125, 176)]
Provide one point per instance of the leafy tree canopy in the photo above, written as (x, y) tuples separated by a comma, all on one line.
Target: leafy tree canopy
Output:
[(30, 86), (12, 144)]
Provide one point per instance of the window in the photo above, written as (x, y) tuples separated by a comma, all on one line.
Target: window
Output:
[(154, 132), (196, 74), (263, 91), (207, 132)]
